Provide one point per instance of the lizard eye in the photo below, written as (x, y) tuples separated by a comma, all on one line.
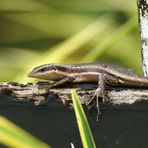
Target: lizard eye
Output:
[(42, 69)]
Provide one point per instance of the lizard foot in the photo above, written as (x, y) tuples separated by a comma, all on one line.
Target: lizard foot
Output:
[(98, 93)]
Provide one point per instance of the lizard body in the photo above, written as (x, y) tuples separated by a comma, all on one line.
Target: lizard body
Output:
[(112, 74), (102, 73)]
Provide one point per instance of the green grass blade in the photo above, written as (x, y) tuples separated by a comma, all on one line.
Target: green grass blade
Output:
[(13, 136), (85, 132)]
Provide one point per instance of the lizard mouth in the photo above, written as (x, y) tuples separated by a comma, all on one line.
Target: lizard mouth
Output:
[(31, 74)]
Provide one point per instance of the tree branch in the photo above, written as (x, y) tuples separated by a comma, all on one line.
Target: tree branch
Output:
[(40, 93)]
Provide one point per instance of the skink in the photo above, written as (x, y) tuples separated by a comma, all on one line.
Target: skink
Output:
[(104, 74), (112, 74)]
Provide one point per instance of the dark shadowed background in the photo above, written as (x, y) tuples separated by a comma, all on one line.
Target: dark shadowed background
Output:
[(118, 126)]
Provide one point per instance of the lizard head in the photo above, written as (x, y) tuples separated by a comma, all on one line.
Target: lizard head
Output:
[(53, 72)]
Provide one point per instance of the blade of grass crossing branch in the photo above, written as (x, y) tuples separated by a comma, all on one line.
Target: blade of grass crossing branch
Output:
[(85, 132), (13, 136)]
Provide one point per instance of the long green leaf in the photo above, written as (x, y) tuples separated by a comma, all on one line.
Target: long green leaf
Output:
[(85, 132), (13, 136)]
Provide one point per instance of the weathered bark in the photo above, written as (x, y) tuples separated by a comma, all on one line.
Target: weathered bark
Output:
[(40, 93), (143, 27)]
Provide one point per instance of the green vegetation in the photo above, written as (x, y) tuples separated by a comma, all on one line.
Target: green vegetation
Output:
[(13, 136), (35, 32), (85, 132)]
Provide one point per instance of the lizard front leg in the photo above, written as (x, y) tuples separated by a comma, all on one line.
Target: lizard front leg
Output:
[(62, 82), (57, 83)]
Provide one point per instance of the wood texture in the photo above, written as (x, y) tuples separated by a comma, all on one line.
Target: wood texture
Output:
[(143, 28), (40, 93)]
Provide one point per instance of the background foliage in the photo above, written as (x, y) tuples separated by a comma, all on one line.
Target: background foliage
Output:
[(35, 32)]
